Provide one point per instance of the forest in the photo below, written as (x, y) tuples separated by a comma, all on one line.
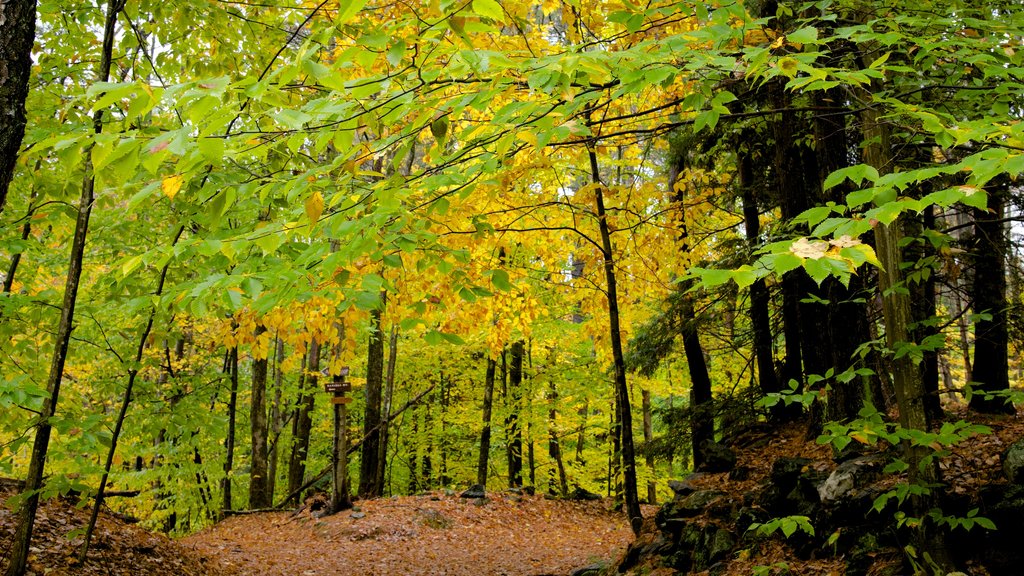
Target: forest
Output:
[(256, 250)]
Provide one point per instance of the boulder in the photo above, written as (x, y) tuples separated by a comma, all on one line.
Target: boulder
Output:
[(1013, 462), (474, 491), (581, 493), (717, 457), (683, 488), (850, 476)]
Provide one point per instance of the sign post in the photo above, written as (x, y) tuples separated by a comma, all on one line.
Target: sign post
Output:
[(338, 386)]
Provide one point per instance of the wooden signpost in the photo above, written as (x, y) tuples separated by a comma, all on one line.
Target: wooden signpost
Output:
[(338, 386)]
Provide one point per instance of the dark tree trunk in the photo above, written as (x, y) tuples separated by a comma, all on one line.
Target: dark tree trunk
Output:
[(302, 420), (555, 447), (17, 34), (485, 433), (16, 46), (369, 461), (988, 292), (259, 497), (760, 318), (702, 421), (389, 394), (229, 441), (632, 498), (276, 419), (512, 428), (923, 313), (652, 489)]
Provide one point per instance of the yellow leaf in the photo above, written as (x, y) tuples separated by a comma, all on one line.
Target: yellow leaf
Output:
[(314, 208), (171, 185)]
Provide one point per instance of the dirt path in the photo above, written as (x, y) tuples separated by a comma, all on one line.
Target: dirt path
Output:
[(507, 535)]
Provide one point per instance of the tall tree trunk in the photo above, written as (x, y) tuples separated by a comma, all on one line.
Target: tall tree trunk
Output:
[(652, 488), (907, 380), (988, 291), (485, 433), (389, 394), (17, 34), (701, 416), (259, 497), (512, 426), (276, 419), (922, 293), (302, 420), (632, 499), (20, 38), (369, 461), (125, 403), (760, 317), (554, 445), (229, 441)]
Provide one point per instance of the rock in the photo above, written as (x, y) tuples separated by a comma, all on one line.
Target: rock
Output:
[(740, 473), (717, 457), (850, 476), (684, 487), (590, 570), (1013, 462), (785, 471), (474, 491), (357, 515), (672, 516), (720, 545), (581, 493)]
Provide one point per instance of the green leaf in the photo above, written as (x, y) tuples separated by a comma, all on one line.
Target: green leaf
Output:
[(500, 280), (806, 35), (350, 8), (489, 9)]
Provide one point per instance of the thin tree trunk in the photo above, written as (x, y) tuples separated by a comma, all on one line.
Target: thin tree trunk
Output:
[(652, 488), (554, 446), (125, 403), (759, 313), (276, 419), (485, 433), (40, 446), (369, 462), (513, 430), (259, 497), (961, 322), (302, 421), (701, 416), (632, 499), (389, 394), (17, 35), (907, 381), (229, 442)]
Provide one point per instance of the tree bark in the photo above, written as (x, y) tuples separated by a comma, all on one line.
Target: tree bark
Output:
[(389, 394), (652, 488), (259, 497), (302, 420), (276, 419), (229, 441), (512, 428), (17, 35), (40, 446), (369, 461), (988, 291), (485, 433), (760, 318), (632, 499), (907, 378)]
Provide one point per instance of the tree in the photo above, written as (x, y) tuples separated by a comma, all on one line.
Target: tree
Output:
[(43, 427), (17, 33)]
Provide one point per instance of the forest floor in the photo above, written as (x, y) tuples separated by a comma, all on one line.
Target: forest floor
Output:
[(441, 533), (434, 534)]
